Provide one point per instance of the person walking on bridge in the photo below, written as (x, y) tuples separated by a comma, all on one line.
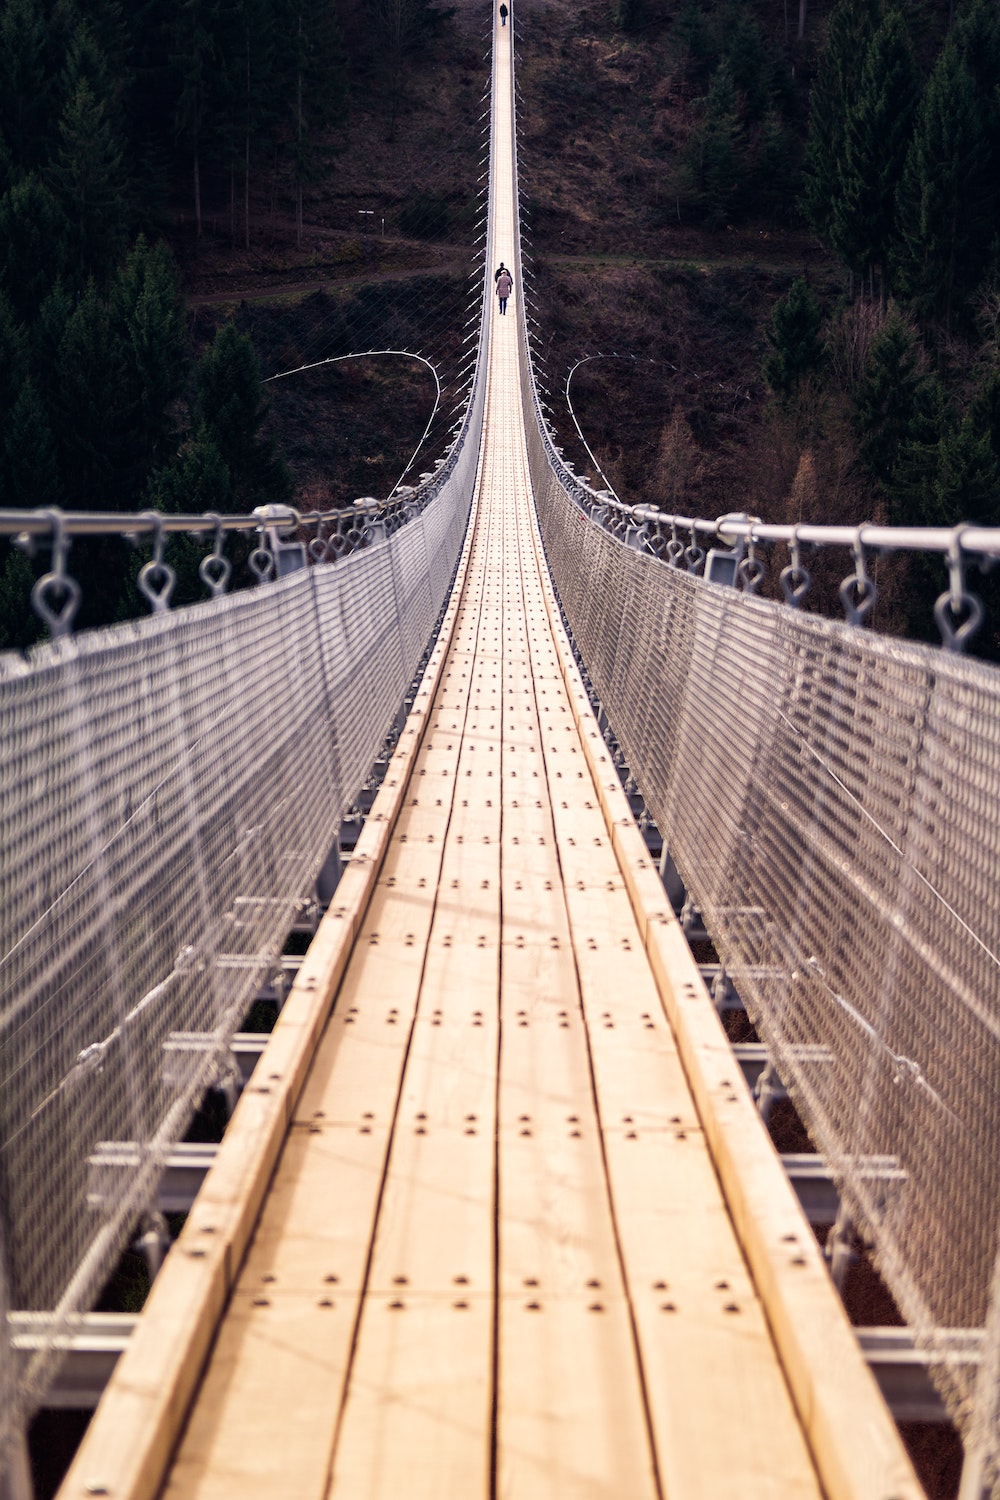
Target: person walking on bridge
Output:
[(503, 15), (505, 286)]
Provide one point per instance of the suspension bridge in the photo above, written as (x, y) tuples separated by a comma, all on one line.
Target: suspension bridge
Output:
[(496, 1214)]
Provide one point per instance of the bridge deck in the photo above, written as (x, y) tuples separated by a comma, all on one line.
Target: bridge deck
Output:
[(494, 1257), (495, 1237)]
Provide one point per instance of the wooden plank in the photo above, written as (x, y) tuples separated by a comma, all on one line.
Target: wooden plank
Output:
[(264, 1424), (570, 1417), (311, 1233), (706, 1346), (417, 1416)]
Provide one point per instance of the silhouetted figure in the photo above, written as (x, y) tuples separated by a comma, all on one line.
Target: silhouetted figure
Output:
[(504, 288), (499, 272), (503, 15)]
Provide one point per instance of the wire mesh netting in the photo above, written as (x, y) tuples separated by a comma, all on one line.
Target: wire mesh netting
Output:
[(171, 788), (832, 801)]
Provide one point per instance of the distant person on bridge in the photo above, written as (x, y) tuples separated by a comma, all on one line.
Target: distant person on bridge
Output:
[(503, 15), (505, 286), (499, 271)]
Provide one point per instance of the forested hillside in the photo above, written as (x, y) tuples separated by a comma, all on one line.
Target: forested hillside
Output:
[(798, 253), (781, 222)]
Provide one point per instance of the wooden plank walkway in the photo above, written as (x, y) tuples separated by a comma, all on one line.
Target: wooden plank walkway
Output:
[(467, 1237)]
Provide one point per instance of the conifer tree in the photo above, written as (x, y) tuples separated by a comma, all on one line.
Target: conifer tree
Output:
[(746, 54), (967, 482), (86, 62), (713, 155), (30, 475), (47, 332), (19, 626), (34, 244), (945, 193), (879, 126), (27, 86), (149, 321), (693, 39), (984, 412), (95, 422), (90, 182), (196, 479), (912, 488), (13, 355), (838, 82), (796, 348), (890, 397), (230, 411)]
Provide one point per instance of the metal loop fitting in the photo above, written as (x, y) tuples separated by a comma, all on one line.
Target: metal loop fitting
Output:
[(261, 564), (958, 613), (795, 580), (55, 597), (858, 592), (156, 580), (750, 571), (214, 570)]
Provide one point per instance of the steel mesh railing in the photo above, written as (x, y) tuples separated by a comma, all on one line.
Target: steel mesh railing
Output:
[(831, 799), (170, 790)]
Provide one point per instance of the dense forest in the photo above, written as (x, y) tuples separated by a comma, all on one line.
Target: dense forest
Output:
[(784, 227)]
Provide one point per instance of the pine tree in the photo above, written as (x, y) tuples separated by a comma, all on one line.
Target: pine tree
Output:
[(693, 41), (230, 411), (945, 193), (984, 411), (27, 87), (13, 356), (87, 62), (796, 347), (19, 626), (95, 421), (713, 157), (89, 179), (967, 483), (912, 489), (30, 475), (776, 166), (47, 332), (746, 53), (878, 130), (890, 397), (196, 480), (149, 321), (34, 244), (834, 92)]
